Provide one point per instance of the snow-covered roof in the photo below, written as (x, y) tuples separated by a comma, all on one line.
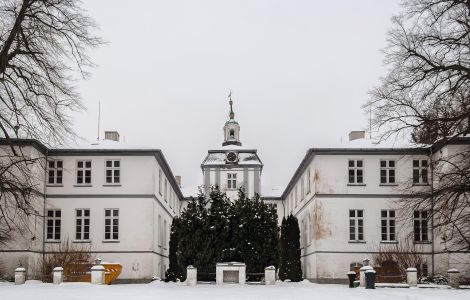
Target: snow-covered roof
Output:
[(103, 145), (365, 143), (244, 158)]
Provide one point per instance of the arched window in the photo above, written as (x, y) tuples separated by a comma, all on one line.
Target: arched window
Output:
[(232, 133)]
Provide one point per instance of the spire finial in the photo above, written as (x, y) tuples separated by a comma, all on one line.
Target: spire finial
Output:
[(232, 114)]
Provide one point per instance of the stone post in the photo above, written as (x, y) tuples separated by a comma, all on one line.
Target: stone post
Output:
[(20, 275), (270, 275), (57, 275), (362, 275), (454, 277), (97, 274), (191, 275), (412, 276)]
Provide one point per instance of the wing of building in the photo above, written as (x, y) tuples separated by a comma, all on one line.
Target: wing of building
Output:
[(120, 201)]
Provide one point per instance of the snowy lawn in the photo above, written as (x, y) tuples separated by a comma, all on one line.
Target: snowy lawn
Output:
[(160, 290)]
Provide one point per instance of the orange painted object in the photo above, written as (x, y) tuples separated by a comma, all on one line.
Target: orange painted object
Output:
[(112, 271), (80, 272)]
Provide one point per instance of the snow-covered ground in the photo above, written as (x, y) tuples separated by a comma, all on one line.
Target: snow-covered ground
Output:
[(160, 290)]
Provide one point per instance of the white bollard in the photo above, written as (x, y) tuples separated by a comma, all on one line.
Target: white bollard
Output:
[(362, 275), (57, 275), (270, 275), (20, 275), (412, 276), (454, 278), (191, 275), (97, 274)]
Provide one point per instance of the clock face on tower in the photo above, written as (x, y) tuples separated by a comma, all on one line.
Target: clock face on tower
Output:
[(231, 157)]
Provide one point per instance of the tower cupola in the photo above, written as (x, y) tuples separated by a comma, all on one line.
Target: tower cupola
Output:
[(231, 128)]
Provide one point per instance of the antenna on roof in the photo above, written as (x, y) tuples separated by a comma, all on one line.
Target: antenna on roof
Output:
[(99, 117)]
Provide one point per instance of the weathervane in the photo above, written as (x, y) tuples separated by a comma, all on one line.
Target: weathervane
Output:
[(232, 114)]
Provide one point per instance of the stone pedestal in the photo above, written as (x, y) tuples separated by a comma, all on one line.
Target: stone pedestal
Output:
[(20, 275), (412, 277), (362, 275), (270, 275), (57, 275), (454, 277), (232, 272), (97, 274), (191, 276)]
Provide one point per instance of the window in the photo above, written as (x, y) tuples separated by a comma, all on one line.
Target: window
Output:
[(387, 225), (420, 171), (160, 231), (296, 196), (111, 224), (302, 234), (420, 225), (232, 133), (164, 234), (82, 224), (113, 171), (55, 171), (387, 171), (231, 181), (356, 225), (302, 189), (166, 190), (53, 224), (307, 230), (308, 181), (273, 206), (356, 171), (160, 182), (84, 172)]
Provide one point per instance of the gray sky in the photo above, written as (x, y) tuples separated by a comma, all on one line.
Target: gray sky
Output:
[(299, 72)]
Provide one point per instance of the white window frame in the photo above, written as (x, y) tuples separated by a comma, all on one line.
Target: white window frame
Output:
[(419, 169), (420, 223), (232, 181), (160, 231), (388, 225), (308, 181), (82, 228), (160, 178), (113, 170), (56, 224), (164, 235), (388, 172), (355, 223), (165, 197), (112, 217), (84, 169), (356, 170), (56, 170)]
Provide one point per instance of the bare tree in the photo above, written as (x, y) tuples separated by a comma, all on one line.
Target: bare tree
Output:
[(43, 47), (425, 96)]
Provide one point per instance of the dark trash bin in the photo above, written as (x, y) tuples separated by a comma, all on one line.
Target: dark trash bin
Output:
[(370, 279), (351, 277)]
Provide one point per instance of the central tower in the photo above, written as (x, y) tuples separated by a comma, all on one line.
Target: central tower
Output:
[(232, 167), (231, 128)]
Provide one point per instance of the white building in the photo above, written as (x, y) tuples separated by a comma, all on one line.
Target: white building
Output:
[(116, 199), (120, 201), (345, 201)]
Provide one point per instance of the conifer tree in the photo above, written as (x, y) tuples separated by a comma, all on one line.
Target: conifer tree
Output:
[(290, 267), (175, 271)]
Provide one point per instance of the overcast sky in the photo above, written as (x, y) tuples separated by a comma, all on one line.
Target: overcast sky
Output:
[(299, 72)]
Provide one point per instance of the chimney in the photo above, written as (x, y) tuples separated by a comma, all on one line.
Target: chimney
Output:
[(355, 135), (178, 181), (111, 135)]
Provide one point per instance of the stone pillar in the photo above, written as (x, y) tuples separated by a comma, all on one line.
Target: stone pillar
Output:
[(454, 277), (270, 275), (191, 275), (20, 275), (97, 274), (242, 274), (362, 275), (57, 275), (412, 276)]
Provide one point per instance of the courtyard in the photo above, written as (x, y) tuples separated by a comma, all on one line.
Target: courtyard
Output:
[(161, 290)]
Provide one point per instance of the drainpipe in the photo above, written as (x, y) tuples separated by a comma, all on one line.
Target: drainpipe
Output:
[(432, 211)]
